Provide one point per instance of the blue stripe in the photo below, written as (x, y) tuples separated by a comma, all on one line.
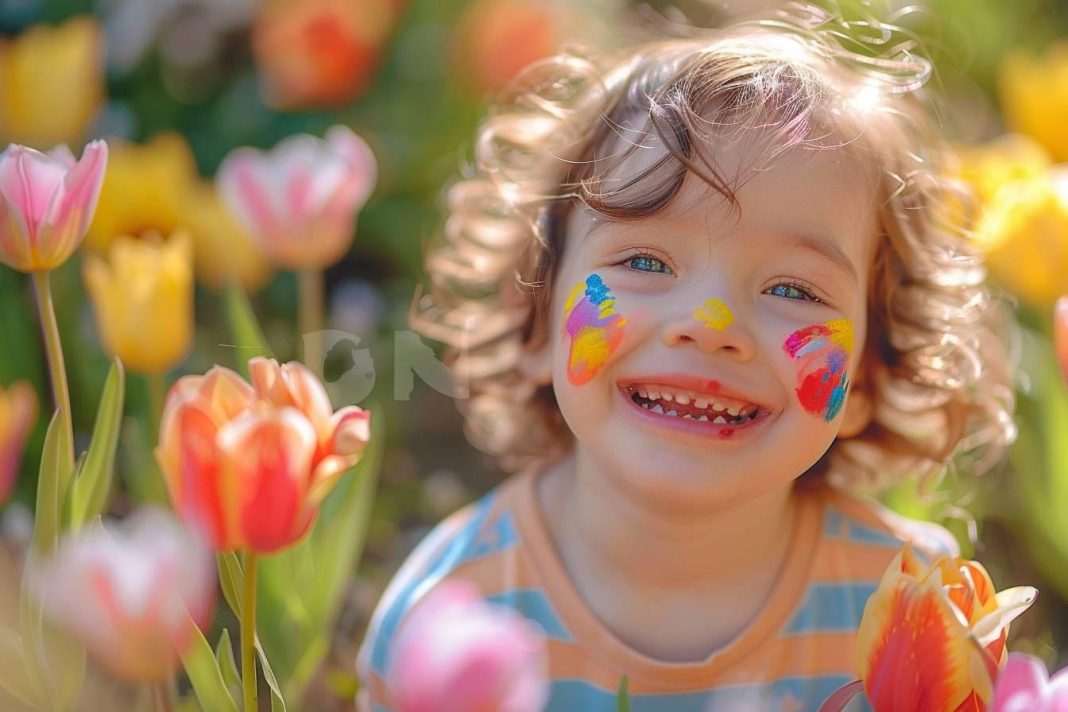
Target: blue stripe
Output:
[(832, 525), (501, 535), (534, 604), (804, 694), (859, 532), (831, 608), (453, 554)]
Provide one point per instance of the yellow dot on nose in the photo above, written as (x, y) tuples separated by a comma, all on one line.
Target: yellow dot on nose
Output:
[(714, 314)]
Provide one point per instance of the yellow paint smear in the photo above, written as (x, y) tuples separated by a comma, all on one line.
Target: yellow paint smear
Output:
[(715, 314)]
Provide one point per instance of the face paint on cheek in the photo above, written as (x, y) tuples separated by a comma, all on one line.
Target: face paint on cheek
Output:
[(595, 329), (823, 352), (715, 314)]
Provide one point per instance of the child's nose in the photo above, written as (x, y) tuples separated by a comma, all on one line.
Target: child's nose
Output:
[(711, 327)]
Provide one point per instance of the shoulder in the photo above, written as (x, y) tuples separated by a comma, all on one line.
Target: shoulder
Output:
[(869, 525), (478, 531)]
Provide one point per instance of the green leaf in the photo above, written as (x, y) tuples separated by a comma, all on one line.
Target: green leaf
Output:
[(231, 578), (205, 676), (13, 677), (89, 494), (245, 330), (623, 697), (224, 656), (54, 661), (296, 622), (278, 703), (55, 454)]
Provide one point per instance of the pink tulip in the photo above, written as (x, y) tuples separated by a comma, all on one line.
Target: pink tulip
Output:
[(459, 654), (1024, 686), (300, 200), (131, 593), (47, 201), (1060, 333)]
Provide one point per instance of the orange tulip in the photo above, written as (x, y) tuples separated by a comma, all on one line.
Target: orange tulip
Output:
[(495, 39), (250, 465), (1060, 334), (18, 410), (934, 638)]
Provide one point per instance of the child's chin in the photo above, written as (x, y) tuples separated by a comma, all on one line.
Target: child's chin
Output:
[(665, 486)]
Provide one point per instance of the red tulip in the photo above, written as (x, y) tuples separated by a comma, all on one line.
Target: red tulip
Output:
[(933, 638), (18, 410), (250, 465), (497, 38)]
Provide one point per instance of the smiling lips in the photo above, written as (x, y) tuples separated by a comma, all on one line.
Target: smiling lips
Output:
[(693, 404)]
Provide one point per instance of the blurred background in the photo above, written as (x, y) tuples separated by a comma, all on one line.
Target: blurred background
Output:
[(180, 83)]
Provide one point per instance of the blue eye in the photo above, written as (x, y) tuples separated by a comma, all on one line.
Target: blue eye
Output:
[(789, 290), (648, 263)]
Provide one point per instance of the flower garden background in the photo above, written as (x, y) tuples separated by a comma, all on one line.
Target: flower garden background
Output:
[(193, 260)]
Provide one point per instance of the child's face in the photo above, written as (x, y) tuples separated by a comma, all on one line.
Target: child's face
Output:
[(750, 324)]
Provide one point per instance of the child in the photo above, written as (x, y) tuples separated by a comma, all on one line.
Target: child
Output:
[(740, 292)]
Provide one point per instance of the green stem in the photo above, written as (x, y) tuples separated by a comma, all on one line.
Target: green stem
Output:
[(248, 634), (57, 369), (157, 393), (310, 288)]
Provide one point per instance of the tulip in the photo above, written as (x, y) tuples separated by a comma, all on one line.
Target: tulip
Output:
[(133, 593), (300, 199), (51, 83), (319, 53), (1025, 686), (933, 638), (1034, 96), (1024, 233), (145, 190), (46, 203), (456, 652), (497, 38), (249, 465), (1060, 334), (143, 299), (1011, 157), (18, 411)]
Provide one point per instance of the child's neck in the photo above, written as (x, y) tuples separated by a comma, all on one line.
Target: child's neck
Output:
[(627, 559)]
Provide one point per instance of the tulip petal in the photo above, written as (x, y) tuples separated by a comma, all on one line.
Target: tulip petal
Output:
[(1010, 604), (271, 455), (362, 164), (1020, 684), (198, 488), (240, 180), (352, 430), (28, 181), (14, 237), (73, 207), (1060, 334)]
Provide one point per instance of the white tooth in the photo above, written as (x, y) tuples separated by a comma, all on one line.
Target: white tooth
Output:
[(732, 410), (701, 403), (667, 396), (642, 392), (682, 399), (703, 418), (653, 393), (687, 417), (720, 419), (657, 409), (673, 412), (717, 406)]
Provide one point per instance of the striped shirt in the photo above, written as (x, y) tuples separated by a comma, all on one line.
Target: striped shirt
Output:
[(797, 651)]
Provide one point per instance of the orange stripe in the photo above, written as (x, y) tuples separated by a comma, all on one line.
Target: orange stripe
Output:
[(378, 694), (850, 561), (498, 572)]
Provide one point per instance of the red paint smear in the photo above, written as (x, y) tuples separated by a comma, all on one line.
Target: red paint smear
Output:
[(815, 392), (713, 387), (726, 432)]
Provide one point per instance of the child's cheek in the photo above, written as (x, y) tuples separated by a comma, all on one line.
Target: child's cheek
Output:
[(822, 353), (593, 327), (715, 314)]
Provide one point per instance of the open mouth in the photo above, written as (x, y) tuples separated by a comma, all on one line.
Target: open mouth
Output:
[(688, 405)]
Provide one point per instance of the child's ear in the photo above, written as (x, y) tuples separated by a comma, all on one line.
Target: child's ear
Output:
[(858, 413), (536, 362)]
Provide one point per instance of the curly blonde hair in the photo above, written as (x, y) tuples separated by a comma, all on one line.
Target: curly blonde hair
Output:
[(935, 370)]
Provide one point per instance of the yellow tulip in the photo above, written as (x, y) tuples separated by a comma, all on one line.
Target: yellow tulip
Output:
[(146, 188), (143, 299), (989, 166), (1024, 232), (1034, 96), (51, 83), (223, 251)]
